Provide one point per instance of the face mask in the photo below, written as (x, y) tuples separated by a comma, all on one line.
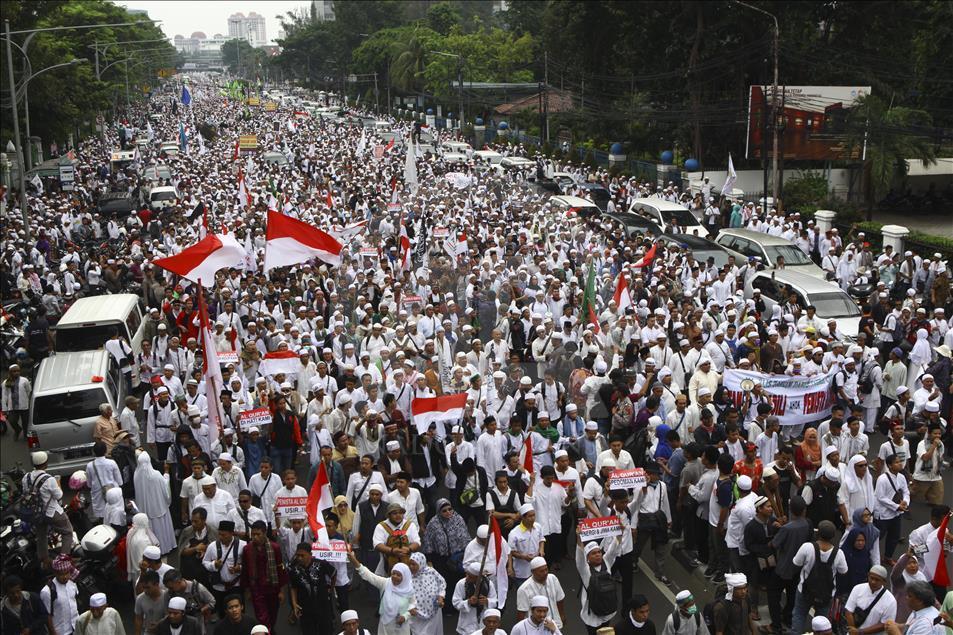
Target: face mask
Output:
[(692, 609)]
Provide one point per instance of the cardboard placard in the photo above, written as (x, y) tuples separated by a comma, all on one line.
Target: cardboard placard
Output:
[(369, 252), (336, 552), (292, 507), (627, 479), (411, 300), (441, 232), (230, 357), (599, 528), (257, 417)]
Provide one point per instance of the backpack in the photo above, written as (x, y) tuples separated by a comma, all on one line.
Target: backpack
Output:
[(677, 620), (396, 538), (601, 592), (865, 385), (32, 505), (819, 583)]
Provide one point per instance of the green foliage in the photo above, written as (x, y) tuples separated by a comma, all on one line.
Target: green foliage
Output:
[(804, 191), (242, 59), (442, 16)]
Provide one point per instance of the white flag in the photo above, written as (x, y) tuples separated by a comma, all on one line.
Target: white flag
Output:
[(250, 262), (37, 182), (410, 167), (149, 133), (730, 181), (362, 144)]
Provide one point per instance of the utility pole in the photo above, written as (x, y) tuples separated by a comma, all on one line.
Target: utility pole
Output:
[(16, 133), (546, 93), (460, 91), (377, 105)]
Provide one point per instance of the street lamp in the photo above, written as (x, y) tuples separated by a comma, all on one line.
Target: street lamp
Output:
[(26, 97), (460, 80)]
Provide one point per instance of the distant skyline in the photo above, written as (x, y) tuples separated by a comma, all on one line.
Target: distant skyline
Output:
[(211, 17)]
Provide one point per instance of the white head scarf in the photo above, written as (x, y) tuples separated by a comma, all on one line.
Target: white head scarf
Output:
[(393, 598), (115, 513), (138, 538), (921, 353), (855, 484), (152, 489)]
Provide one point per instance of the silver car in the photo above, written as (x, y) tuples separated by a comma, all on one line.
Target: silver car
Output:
[(829, 300)]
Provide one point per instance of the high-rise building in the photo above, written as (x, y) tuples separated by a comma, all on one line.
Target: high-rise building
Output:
[(250, 28), (323, 10)]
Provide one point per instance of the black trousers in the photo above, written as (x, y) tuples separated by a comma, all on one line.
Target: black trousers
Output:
[(890, 530), (701, 539), (625, 566), (317, 622), (343, 597), (776, 587)]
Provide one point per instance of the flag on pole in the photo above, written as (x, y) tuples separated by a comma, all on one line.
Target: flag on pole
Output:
[(427, 410), (934, 560), (186, 96), (319, 499), (390, 144), (212, 372), (329, 200), (622, 298), (404, 251), (730, 181), (203, 259), (528, 454), (237, 149), (291, 241), (344, 234), (201, 144), (244, 196), (183, 139), (149, 132), (251, 263), (647, 259), (362, 144), (589, 300), (502, 553), (410, 167), (37, 183)]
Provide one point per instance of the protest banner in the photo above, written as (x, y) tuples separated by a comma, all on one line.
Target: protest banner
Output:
[(795, 399), (336, 552), (292, 507), (599, 528), (257, 417), (627, 479)]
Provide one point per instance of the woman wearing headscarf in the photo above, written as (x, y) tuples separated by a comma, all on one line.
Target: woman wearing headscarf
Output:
[(862, 520), (920, 357), (906, 570), (115, 512), (857, 553), (139, 537), (857, 486), (397, 596), (807, 455), (153, 497), (429, 589), (345, 516), (662, 448), (444, 541)]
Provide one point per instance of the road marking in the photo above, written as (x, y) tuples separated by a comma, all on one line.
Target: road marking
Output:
[(667, 592)]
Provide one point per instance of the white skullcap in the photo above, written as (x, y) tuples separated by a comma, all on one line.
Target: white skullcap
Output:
[(490, 613), (592, 425), (226, 456), (392, 445), (151, 552), (97, 600), (483, 531), (259, 628), (735, 580), (560, 453), (683, 596), (592, 546), (348, 616), (610, 462), (207, 480), (526, 508), (540, 601), (832, 473), (537, 562), (820, 624), (744, 482), (176, 603)]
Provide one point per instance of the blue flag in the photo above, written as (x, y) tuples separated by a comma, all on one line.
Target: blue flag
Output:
[(186, 96), (183, 138)]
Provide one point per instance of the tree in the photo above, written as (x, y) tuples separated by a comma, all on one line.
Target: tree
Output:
[(892, 135), (240, 57), (442, 16)]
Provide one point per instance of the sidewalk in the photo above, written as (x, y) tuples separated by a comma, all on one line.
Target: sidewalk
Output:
[(934, 224)]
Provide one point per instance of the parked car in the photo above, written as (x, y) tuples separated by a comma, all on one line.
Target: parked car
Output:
[(459, 147), (702, 248), (573, 205), (487, 157), (89, 322), (162, 197), (67, 393), (747, 243), (634, 224), (116, 204), (275, 158), (599, 195), (669, 216), (829, 300)]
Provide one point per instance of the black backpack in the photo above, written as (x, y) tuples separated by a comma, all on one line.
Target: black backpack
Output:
[(819, 583), (32, 506), (601, 592)]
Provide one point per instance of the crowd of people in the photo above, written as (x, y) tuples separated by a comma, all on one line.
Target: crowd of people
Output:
[(516, 306)]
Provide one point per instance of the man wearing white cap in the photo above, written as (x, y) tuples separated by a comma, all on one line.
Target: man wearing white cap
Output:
[(99, 619), (228, 477), (820, 625), (539, 621), (817, 587), (176, 622), (351, 624), (686, 619), (731, 613), (598, 588), (541, 583), (159, 421), (870, 604), (51, 514), (491, 622), (473, 594)]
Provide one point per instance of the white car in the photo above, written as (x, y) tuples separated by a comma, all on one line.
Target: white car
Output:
[(747, 244), (829, 300), (668, 216), (162, 197)]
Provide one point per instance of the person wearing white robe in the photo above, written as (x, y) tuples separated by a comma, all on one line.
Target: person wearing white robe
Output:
[(139, 537), (153, 497), (920, 357)]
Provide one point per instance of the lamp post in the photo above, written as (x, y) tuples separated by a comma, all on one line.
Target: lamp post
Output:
[(774, 102), (460, 114)]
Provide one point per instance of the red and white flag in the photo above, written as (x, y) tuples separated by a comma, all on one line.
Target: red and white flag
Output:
[(404, 250), (319, 499), (329, 200), (501, 549), (622, 298), (344, 234), (290, 241), (528, 454), (244, 196), (427, 410), (279, 362), (390, 145), (647, 258), (934, 560), (212, 371), (202, 260), (237, 150)]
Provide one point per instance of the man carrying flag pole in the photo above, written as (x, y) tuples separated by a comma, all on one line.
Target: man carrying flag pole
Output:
[(320, 499), (212, 371), (589, 314)]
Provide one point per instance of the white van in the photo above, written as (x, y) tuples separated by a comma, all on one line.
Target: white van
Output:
[(565, 206), (457, 147), (162, 197), (91, 321), (67, 393), (487, 157)]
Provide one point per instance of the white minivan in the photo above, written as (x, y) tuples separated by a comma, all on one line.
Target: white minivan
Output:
[(89, 322)]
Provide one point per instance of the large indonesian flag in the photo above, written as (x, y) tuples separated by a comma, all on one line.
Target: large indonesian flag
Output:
[(290, 241), (647, 258), (319, 499), (934, 560), (404, 251), (501, 549), (427, 410), (622, 298), (203, 259), (344, 234), (286, 362)]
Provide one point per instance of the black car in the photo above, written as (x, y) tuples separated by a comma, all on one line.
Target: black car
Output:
[(702, 248), (116, 204), (634, 224), (598, 194)]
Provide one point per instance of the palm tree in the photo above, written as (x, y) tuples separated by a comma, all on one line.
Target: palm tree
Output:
[(893, 135), (408, 65)]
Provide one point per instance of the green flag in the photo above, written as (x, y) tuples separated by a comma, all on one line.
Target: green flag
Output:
[(589, 300)]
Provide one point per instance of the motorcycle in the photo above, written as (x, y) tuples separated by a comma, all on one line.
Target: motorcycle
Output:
[(98, 562)]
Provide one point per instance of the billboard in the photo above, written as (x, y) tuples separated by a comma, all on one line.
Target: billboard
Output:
[(814, 121)]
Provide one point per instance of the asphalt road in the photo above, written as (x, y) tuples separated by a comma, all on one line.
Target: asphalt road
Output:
[(661, 597)]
